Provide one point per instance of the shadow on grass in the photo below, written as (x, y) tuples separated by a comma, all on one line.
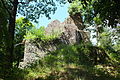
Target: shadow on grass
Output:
[(79, 74)]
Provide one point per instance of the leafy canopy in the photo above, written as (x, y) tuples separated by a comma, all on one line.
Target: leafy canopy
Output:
[(97, 11), (109, 11), (33, 9)]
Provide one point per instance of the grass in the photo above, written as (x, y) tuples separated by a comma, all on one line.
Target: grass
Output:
[(71, 72), (69, 63)]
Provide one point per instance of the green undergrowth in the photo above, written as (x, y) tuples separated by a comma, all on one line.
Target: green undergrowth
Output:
[(40, 34), (71, 72), (70, 62)]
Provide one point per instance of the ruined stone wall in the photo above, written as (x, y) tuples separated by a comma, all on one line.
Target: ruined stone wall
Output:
[(69, 34)]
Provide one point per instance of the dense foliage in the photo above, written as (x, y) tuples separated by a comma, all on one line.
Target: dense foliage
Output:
[(22, 26), (107, 10), (40, 34)]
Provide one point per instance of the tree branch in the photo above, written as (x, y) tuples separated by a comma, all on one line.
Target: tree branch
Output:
[(22, 43)]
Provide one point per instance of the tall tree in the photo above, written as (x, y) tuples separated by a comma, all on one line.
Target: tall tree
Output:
[(31, 9)]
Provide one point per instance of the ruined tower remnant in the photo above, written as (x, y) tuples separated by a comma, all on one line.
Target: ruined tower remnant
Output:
[(71, 32)]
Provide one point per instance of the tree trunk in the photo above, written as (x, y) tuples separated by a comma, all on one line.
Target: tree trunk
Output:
[(10, 46)]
